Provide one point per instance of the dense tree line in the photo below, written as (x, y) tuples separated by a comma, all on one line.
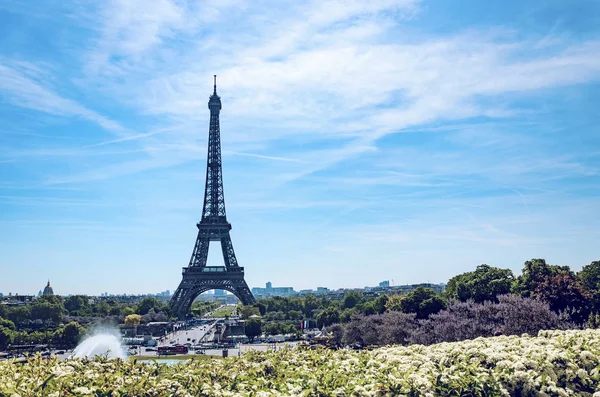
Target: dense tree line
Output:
[(56, 321), (51, 310), (574, 298), (67, 336), (574, 294), (508, 315)]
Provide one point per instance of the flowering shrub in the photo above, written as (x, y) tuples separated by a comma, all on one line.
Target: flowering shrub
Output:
[(512, 315), (555, 363), (389, 328)]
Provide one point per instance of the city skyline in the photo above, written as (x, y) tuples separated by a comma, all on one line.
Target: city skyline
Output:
[(267, 286), (405, 140)]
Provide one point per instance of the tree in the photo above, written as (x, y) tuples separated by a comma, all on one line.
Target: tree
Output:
[(161, 317), (127, 310), (380, 303), (3, 310), (351, 299), (294, 315), (421, 301), (103, 308), (262, 309), (146, 304), (253, 328), (527, 316), (72, 334), (535, 272), (337, 334), (76, 303), (485, 283), (589, 277), (246, 311), (310, 303), (275, 328), (7, 324), (380, 329), (564, 293), (46, 311), (347, 314), (395, 328), (133, 319), (19, 315), (54, 299), (328, 317), (393, 303), (367, 308), (6, 337)]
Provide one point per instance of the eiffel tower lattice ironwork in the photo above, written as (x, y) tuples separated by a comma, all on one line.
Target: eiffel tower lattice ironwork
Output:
[(198, 277)]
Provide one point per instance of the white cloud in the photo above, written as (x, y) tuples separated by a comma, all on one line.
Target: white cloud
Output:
[(22, 90)]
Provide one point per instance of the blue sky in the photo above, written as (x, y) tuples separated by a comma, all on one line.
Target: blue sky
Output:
[(362, 141)]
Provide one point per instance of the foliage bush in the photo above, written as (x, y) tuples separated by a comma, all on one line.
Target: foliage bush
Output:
[(380, 329), (512, 315), (483, 284)]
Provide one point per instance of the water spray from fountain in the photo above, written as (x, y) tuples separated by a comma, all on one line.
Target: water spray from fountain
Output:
[(102, 342)]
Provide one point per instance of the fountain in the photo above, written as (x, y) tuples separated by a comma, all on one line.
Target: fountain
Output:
[(102, 344)]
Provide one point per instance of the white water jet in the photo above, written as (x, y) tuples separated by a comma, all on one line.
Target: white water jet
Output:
[(103, 344)]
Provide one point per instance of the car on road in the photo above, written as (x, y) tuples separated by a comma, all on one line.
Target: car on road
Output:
[(150, 349), (60, 352)]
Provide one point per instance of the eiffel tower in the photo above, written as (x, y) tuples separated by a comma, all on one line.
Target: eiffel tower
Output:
[(198, 277)]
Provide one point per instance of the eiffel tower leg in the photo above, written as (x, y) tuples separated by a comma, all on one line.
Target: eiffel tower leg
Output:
[(186, 292), (228, 253), (182, 300), (241, 288), (200, 253)]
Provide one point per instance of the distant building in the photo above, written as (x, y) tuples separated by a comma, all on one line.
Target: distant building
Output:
[(384, 284), (48, 290), (16, 299), (322, 290), (269, 290)]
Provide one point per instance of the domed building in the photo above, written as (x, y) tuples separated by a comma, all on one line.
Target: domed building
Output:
[(48, 290)]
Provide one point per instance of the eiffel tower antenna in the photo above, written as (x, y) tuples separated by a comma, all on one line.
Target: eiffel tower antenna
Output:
[(213, 226)]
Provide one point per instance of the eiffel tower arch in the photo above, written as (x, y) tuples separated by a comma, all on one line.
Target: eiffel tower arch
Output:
[(197, 276)]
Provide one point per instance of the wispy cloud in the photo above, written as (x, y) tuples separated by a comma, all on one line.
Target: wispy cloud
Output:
[(397, 132), (22, 89)]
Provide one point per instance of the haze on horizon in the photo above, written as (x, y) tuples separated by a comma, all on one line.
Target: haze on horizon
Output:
[(362, 141)]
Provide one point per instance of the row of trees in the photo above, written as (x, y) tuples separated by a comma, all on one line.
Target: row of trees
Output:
[(509, 315), (577, 294), (573, 296), (50, 310), (67, 336)]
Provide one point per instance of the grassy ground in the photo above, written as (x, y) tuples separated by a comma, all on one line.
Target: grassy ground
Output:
[(223, 311)]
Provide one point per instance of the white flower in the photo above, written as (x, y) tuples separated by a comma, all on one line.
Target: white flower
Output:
[(83, 390)]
